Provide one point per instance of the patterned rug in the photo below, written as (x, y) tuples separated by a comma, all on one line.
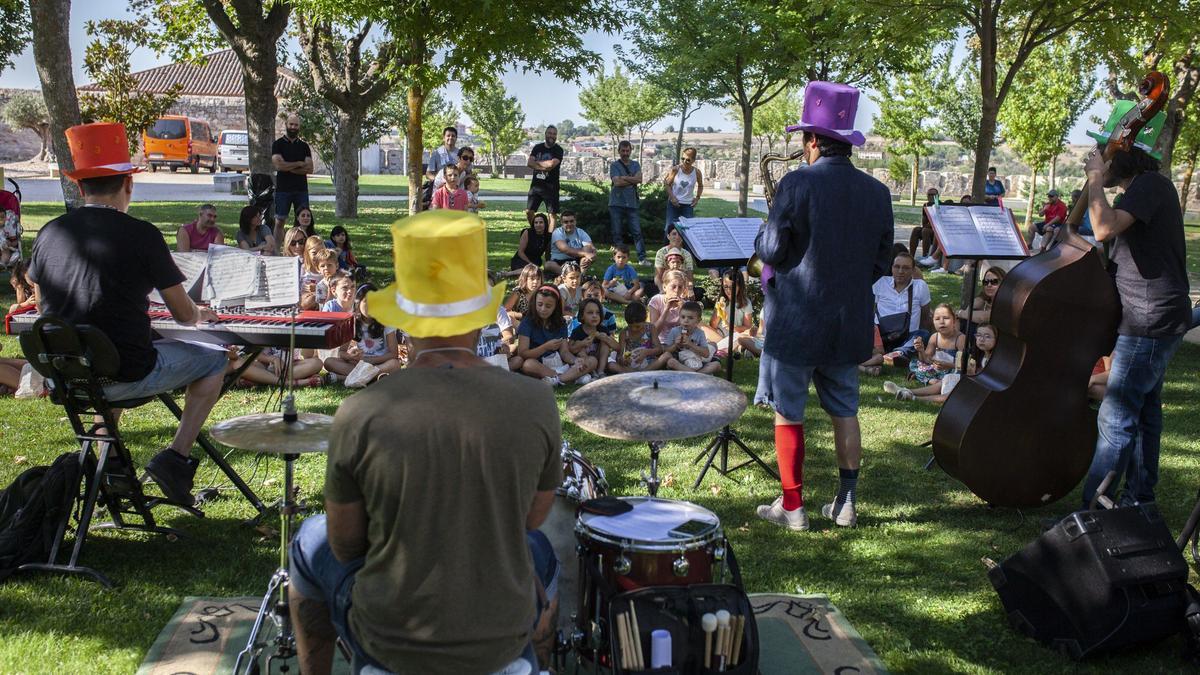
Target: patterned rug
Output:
[(798, 634)]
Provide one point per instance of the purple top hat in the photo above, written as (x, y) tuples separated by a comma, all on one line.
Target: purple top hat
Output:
[(829, 110)]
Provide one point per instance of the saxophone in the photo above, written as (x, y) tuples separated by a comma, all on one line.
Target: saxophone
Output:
[(755, 266)]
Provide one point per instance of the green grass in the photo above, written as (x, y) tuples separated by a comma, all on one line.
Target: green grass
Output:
[(909, 577), (397, 185)]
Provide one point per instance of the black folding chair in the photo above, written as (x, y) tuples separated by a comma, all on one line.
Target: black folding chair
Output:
[(78, 361)]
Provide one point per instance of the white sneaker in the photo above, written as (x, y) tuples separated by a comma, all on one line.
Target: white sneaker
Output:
[(584, 380), (938, 270), (552, 381), (927, 261), (891, 387), (846, 516), (775, 513)]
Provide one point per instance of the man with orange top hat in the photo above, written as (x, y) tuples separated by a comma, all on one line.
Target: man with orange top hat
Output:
[(96, 265)]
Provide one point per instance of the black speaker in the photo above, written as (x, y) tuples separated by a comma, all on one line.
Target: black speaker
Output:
[(1096, 581)]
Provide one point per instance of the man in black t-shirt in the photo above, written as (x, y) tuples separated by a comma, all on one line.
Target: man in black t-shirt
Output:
[(545, 159), (1148, 263), (96, 265), (293, 161)]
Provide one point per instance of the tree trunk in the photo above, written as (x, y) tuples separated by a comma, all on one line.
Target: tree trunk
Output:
[(1184, 83), (259, 76), (43, 133), (1032, 194), (744, 165), (912, 185), (416, 172), (1054, 172), (345, 163), (1186, 189), (683, 115), (990, 106), (52, 57)]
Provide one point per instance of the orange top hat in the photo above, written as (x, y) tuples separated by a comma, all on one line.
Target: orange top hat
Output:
[(98, 150)]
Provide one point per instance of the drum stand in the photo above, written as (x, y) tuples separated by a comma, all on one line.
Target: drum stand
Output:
[(720, 443), (651, 482), (275, 601)]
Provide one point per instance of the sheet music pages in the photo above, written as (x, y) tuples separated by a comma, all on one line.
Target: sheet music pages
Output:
[(744, 231), (192, 264), (976, 232), (712, 239), (281, 276), (233, 274)]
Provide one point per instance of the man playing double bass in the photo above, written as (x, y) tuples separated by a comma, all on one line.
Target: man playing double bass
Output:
[(828, 238), (1148, 262)]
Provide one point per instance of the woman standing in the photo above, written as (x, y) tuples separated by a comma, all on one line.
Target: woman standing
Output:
[(684, 184)]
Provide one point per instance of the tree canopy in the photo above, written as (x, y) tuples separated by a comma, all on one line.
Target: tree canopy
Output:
[(498, 119)]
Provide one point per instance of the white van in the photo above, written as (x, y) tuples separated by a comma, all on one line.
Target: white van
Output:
[(234, 150)]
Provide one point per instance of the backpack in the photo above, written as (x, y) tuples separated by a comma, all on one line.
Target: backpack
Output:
[(32, 508)]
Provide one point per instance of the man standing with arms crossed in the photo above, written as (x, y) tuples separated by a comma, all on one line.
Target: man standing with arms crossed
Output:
[(828, 238), (545, 159), (293, 161)]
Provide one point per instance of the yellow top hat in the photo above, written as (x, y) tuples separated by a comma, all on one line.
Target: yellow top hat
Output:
[(441, 285)]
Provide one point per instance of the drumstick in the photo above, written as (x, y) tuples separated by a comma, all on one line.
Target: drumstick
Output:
[(709, 623), (737, 640), (722, 638), (623, 641), (637, 635)]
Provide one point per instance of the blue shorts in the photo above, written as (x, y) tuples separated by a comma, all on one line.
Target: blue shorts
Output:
[(179, 364), (316, 573), (285, 200), (785, 388)]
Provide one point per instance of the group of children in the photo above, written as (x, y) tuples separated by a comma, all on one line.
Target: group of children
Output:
[(460, 193)]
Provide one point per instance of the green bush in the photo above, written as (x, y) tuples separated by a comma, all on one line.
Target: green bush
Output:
[(589, 203)]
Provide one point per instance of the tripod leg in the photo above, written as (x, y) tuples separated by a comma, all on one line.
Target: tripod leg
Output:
[(718, 444), (707, 449), (750, 453)]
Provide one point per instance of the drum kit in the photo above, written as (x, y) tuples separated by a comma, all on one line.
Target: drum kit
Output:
[(645, 542)]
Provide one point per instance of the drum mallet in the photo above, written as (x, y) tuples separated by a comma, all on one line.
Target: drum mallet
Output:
[(722, 637), (709, 623), (737, 640)]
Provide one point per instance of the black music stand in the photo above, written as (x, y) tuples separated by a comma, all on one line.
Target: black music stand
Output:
[(704, 237)]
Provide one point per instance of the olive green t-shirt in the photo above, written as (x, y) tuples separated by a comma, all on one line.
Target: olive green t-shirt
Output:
[(446, 461)]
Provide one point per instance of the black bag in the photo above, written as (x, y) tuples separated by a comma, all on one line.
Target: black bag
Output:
[(1097, 581), (32, 508), (426, 194), (894, 328)]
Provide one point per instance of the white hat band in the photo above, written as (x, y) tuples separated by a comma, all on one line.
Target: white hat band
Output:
[(444, 309), (124, 166)]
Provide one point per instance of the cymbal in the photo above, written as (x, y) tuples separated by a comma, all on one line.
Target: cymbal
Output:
[(268, 432), (656, 405)]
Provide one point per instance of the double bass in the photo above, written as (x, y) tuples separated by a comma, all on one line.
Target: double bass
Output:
[(1021, 432)]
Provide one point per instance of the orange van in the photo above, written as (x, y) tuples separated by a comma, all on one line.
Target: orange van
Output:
[(176, 141)]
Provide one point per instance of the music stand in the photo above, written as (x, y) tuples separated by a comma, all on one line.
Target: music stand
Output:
[(728, 242)]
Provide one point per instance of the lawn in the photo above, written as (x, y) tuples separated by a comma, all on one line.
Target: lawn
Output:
[(393, 184), (909, 577)]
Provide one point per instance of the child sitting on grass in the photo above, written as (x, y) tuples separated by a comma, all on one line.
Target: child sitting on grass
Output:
[(520, 301), (752, 341), (269, 369), (342, 299), (664, 307), (686, 344), (474, 203), (542, 341), (327, 265), (590, 340), (717, 330), (569, 288), (450, 195), (339, 240), (620, 279), (373, 342), (19, 281), (639, 350), (937, 366), (608, 321), (496, 344)]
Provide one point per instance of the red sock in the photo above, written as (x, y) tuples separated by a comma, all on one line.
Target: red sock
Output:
[(789, 452)]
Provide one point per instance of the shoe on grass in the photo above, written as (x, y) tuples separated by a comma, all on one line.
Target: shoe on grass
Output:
[(845, 517), (174, 474), (891, 387), (774, 512)]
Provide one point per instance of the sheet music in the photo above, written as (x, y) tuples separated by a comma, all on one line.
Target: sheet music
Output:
[(281, 277), (232, 274), (976, 232), (715, 239), (192, 264)]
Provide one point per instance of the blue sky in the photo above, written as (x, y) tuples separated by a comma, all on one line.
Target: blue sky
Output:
[(545, 99)]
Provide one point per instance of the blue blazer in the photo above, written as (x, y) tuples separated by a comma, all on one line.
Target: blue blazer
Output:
[(828, 236)]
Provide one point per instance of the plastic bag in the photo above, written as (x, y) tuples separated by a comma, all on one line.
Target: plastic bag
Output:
[(32, 385), (362, 375)]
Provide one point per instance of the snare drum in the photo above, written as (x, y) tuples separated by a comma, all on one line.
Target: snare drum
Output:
[(661, 542), (581, 481)]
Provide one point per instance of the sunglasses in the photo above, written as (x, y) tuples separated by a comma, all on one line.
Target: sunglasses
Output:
[(296, 242), (991, 282)]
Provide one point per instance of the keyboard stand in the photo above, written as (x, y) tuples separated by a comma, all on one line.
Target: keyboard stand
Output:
[(211, 450)]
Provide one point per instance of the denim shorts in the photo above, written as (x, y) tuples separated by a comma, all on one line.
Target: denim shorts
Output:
[(179, 364), (285, 200), (317, 573), (785, 388)]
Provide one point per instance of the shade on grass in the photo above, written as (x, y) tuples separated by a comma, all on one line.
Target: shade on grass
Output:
[(909, 577)]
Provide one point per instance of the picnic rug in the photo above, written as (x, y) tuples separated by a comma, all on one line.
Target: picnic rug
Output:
[(797, 634)]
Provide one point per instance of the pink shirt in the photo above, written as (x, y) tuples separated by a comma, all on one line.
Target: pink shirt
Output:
[(198, 241), (443, 198)]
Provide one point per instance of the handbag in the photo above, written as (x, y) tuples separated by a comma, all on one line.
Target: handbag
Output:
[(894, 328)]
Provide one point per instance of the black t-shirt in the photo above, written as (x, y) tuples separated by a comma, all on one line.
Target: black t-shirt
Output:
[(96, 266), (290, 151), (1150, 260), (546, 181)]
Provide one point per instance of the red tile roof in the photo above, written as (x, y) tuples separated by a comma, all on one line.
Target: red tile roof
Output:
[(221, 76)]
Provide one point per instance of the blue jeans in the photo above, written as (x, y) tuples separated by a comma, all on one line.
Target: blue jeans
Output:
[(674, 213), (1130, 420), (178, 365), (317, 574), (616, 215)]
